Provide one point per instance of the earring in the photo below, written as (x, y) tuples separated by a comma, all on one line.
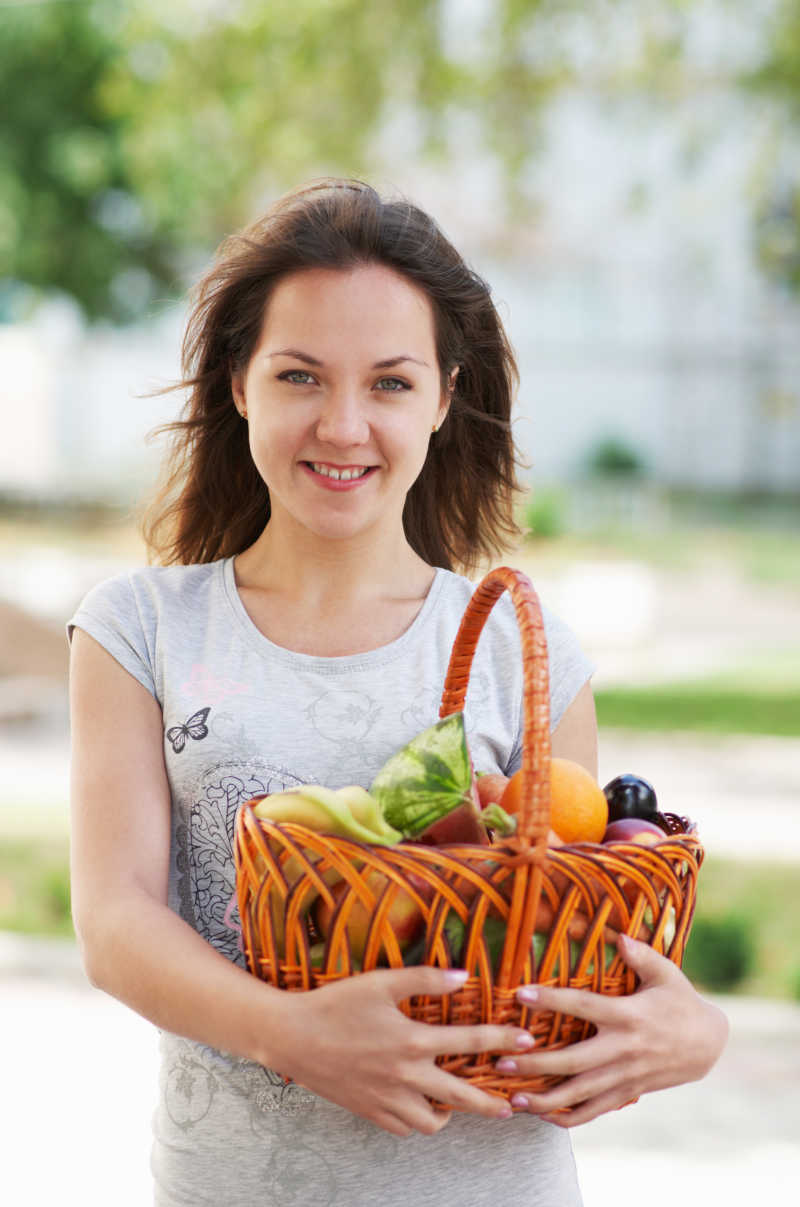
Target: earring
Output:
[(435, 428)]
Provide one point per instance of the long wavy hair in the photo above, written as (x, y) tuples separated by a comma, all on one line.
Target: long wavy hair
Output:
[(212, 502)]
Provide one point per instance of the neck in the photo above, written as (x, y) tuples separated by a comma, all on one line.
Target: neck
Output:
[(331, 574)]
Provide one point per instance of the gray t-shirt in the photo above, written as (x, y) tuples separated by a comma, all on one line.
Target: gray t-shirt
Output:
[(244, 716)]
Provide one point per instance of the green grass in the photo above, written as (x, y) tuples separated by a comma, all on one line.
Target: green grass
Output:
[(34, 886), (766, 896), (759, 539), (701, 707)]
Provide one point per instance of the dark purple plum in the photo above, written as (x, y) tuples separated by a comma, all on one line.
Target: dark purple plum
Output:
[(630, 796)]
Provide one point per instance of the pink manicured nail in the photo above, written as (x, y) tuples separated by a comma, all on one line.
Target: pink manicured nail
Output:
[(505, 1113), (456, 977), (520, 1100), (506, 1065), (529, 993), (525, 1042)]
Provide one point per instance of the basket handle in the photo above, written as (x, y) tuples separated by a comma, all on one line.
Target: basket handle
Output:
[(534, 818)]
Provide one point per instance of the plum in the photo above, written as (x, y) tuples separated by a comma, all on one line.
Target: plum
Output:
[(634, 829), (630, 796)]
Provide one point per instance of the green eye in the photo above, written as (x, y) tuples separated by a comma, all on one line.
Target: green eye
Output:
[(393, 385), (292, 375)]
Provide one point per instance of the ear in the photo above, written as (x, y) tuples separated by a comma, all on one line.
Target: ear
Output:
[(444, 405), (239, 396)]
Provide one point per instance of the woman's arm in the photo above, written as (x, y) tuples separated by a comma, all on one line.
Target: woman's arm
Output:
[(575, 736), (133, 946), (347, 1041)]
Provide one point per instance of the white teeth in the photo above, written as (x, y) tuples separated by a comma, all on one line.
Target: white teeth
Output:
[(341, 475)]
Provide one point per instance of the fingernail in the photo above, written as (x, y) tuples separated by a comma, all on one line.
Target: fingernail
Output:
[(525, 1041), (520, 1100), (455, 977), (506, 1065), (528, 994), (505, 1113)]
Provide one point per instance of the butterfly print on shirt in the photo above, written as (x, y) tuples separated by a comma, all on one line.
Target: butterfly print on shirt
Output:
[(194, 728)]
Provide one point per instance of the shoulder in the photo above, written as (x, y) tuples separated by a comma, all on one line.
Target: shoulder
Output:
[(150, 588), (502, 622), (568, 666), (138, 613), (141, 603)]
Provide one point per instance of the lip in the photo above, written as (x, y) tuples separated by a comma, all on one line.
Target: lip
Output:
[(337, 484)]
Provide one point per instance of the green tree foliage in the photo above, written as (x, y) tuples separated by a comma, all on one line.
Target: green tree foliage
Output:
[(69, 216), (136, 135), (140, 134)]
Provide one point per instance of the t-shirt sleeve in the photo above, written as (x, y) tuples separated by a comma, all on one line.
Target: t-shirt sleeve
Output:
[(112, 614), (569, 669)]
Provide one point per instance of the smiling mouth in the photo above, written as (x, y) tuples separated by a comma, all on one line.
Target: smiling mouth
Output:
[(343, 474)]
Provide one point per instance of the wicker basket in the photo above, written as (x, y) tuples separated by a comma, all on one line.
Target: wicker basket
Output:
[(556, 910)]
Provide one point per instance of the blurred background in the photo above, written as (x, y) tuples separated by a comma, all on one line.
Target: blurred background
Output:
[(626, 175)]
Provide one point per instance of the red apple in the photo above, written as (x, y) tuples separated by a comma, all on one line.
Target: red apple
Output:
[(634, 829)]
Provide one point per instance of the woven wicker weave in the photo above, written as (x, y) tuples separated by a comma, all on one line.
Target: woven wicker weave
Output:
[(557, 910)]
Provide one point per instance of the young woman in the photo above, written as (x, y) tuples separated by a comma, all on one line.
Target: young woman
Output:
[(346, 450)]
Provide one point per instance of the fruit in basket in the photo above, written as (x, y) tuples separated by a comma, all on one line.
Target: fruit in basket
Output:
[(347, 813), (511, 800), (461, 824), (404, 915), (578, 807), (634, 829), (541, 941), (575, 801), (496, 788), (427, 791), (630, 796), (454, 932), (491, 785), (344, 812), (493, 933)]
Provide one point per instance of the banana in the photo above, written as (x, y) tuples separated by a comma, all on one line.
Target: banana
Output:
[(367, 811), (329, 812)]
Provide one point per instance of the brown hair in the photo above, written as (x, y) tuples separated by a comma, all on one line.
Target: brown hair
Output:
[(213, 503)]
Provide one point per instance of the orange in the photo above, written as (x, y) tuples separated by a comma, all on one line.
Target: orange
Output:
[(578, 808), (511, 800)]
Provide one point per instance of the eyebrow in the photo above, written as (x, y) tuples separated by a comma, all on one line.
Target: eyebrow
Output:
[(379, 364)]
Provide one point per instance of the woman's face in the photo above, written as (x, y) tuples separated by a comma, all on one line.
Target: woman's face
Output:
[(341, 394)]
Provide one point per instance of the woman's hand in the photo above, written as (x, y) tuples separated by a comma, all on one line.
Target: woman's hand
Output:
[(349, 1043), (663, 1035)]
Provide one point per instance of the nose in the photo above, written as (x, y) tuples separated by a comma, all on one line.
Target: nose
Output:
[(343, 420)]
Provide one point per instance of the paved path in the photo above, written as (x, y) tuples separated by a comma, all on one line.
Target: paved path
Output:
[(79, 1076)]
